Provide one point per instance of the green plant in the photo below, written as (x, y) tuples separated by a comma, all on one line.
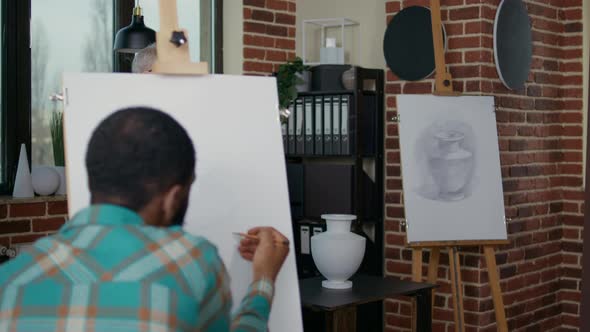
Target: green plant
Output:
[(287, 81), (57, 137)]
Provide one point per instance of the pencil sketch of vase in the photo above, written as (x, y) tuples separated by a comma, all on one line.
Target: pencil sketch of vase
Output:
[(450, 165)]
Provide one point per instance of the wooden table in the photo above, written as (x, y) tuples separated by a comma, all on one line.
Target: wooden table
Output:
[(340, 305)]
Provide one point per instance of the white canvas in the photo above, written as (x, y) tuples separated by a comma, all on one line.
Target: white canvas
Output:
[(450, 159), (241, 177)]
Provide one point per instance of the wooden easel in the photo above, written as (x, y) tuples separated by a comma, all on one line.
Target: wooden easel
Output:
[(172, 45), (444, 86)]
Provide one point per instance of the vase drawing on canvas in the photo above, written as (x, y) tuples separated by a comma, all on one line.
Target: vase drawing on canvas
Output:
[(445, 156)]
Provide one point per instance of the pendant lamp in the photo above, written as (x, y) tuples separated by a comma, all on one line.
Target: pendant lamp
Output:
[(136, 36)]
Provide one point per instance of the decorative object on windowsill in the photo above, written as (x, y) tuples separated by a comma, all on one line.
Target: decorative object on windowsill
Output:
[(513, 47), (58, 149), (287, 81), (23, 184), (338, 253), (136, 36), (45, 180), (331, 41)]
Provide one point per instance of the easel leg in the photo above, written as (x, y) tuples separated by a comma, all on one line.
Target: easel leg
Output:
[(457, 287), (495, 286), (433, 268), (417, 265), (417, 277)]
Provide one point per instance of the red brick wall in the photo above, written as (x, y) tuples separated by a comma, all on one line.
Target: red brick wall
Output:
[(22, 221), (541, 132), (269, 35)]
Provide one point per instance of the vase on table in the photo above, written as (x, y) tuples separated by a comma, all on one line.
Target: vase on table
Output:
[(450, 165), (338, 252)]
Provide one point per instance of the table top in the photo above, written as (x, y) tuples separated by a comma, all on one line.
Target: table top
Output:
[(364, 289)]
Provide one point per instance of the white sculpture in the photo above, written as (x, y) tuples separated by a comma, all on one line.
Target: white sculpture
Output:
[(23, 184), (45, 180), (338, 253)]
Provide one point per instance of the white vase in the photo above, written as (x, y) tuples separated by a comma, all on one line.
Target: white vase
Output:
[(23, 183), (45, 180), (337, 253), (62, 189), (450, 165)]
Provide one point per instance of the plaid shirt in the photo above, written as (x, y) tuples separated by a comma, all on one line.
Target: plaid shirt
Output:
[(105, 270)]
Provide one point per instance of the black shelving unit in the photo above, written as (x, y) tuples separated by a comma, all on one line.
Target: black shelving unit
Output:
[(351, 182)]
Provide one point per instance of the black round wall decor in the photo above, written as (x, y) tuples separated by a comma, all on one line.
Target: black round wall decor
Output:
[(407, 44), (513, 48)]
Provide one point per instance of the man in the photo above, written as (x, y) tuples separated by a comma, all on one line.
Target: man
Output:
[(144, 60), (124, 263)]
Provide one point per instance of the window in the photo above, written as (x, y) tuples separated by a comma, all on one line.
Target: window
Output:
[(79, 39), (72, 35)]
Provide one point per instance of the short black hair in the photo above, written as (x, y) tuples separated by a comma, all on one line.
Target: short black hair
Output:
[(136, 153)]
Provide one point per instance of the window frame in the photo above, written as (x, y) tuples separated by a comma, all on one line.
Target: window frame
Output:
[(16, 88)]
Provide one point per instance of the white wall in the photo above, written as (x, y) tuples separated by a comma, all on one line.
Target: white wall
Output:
[(233, 32), (369, 13)]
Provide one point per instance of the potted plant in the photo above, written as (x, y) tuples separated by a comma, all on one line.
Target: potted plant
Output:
[(57, 139), (288, 78)]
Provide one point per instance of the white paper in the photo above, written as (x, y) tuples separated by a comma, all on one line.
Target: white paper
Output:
[(241, 177), (444, 202)]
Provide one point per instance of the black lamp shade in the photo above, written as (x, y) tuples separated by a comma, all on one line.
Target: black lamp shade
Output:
[(134, 37)]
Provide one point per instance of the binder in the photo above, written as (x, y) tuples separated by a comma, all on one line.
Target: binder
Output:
[(285, 137), (327, 125), (344, 129), (318, 125), (291, 131), (308, 123), (304, 236), (299, 137), (336, 125)]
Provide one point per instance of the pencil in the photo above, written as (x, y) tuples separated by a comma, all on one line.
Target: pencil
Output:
[(252, 237)]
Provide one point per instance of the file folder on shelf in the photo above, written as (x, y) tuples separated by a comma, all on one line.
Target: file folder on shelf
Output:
[(305, 242), (299, 117), (336, 125), (347, 125), (285, 137), (318, 125), (308, 123), (327, 125), (291, 131)]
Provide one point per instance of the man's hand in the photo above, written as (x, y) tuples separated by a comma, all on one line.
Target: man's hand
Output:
[(267, 253)]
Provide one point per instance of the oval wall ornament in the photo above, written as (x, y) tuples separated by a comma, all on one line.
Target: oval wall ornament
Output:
[(408, 45), (513, 48)]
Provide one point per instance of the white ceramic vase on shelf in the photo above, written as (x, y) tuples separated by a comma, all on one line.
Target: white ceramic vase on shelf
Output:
[(61, 190), (337, 253), (451, 165), (45, 180)]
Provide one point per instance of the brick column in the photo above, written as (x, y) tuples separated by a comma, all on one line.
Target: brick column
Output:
[(269, 35), (22, 221), (540, 129)]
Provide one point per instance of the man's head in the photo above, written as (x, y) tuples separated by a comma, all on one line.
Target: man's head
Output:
[(141, 158), (144, 60)]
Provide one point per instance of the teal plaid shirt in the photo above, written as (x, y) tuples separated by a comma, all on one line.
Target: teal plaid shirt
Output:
[(105, 270)]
